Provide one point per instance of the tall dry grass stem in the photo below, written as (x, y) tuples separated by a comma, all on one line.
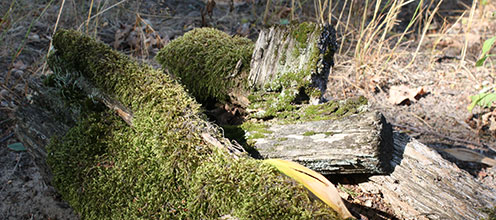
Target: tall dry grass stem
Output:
[(54, 31), (103, 11), (266, 12), (89, 15), (467, 32)]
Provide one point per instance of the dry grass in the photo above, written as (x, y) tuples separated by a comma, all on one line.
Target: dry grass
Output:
[(377, 38), (374, 36)]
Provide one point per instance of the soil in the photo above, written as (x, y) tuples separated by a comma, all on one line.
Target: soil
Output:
[(439, 118)]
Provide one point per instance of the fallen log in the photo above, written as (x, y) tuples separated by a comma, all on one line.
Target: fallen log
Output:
[(40, 120), (424, 185), (161, 166)]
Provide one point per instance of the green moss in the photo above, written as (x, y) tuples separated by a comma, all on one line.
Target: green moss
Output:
[(205, 60), (255, 127), (491, 212), (282, 92), (330, 110), (256, 135), (160, 168), (301, 32), (313, 92), (309, 133)]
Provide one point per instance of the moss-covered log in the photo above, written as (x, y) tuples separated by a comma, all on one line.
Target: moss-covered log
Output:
[(288, 75), (161, 167)]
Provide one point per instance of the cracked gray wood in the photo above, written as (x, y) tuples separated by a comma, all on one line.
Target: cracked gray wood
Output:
[(291, 49), (360, 143), (424, 185)]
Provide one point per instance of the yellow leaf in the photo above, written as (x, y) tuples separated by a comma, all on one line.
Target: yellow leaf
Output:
[(313, 181)]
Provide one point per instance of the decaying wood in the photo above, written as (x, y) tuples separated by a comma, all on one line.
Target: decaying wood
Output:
[(424, 185), (275, 51), (360, 143), (39, 121)]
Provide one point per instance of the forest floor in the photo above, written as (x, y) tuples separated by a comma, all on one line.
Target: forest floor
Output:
[(442, 66)]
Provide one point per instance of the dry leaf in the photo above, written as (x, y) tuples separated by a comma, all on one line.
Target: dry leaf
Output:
[(121, 35), (19, 65), (471, 156), (313, 181), (243, 30), (210, 7), (399, 95)]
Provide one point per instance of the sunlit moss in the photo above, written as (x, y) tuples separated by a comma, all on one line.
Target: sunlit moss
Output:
[(205, 60)]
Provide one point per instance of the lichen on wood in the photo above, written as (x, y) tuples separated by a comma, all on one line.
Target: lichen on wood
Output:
[(160, 168)]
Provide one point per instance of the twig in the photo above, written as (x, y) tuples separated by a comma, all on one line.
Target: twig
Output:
[(5, 121), (422, 120), (6, 137), (53, 34), (104, 10), (18, 159), (480, 144)]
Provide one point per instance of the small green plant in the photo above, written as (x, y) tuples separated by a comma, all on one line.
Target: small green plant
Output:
[(484, 99), (491, 213), (486, 47)]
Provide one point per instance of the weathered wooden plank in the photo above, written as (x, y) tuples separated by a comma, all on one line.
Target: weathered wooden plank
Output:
[(360, 143), (424, 185)]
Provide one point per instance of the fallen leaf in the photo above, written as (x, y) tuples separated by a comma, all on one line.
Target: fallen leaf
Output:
[(470, 156), (313, 181), (399, 95), (121, 35), (19, 147), (19, 65)]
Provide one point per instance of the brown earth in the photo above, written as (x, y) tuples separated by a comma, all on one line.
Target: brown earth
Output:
[(139, 28)]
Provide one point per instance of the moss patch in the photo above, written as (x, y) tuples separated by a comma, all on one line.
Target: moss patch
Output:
[(205, 60), (160, 168), (309, 133)]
